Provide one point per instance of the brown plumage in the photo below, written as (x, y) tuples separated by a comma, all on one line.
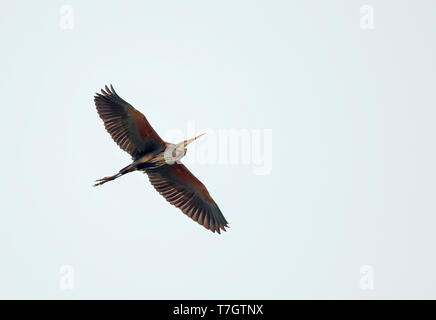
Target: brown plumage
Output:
[(160, 160)]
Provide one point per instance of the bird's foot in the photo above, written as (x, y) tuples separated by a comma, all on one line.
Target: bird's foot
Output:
[(104, 180)]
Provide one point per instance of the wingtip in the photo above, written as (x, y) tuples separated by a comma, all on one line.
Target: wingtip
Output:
[(220, 228), (107, 91)]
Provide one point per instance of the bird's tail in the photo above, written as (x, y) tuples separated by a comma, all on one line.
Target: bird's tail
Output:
[(123, 171)]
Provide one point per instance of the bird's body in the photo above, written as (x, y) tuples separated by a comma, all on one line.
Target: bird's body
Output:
[(160, 160)]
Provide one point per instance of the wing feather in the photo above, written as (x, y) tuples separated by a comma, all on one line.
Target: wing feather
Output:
[(127, 126), (183, 190)]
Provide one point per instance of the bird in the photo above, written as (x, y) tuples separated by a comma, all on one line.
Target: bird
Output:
[(158, 159)]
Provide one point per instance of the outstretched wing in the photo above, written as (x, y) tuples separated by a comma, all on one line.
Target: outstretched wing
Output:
[(183, 190), (127, 126)]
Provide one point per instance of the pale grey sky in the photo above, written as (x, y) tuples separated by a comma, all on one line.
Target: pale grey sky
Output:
[(352, 116)]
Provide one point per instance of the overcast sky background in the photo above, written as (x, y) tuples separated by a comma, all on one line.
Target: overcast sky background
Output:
[(352, 115)]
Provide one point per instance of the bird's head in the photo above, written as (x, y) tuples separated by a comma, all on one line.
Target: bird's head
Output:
[(177, 151), (184, 143)]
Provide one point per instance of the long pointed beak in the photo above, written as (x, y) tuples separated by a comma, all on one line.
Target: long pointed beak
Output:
[(186, 142)]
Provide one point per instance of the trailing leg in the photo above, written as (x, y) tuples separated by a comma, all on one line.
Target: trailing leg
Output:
[(106, 179), (123, 171)]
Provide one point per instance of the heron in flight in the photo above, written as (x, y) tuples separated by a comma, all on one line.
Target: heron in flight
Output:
[(160, 160)]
